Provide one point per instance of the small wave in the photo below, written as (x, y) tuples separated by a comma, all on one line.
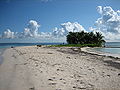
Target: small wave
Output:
[(100, 52)]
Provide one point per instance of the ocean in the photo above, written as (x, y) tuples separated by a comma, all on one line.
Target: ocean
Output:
[(8, 45), (113, 48)]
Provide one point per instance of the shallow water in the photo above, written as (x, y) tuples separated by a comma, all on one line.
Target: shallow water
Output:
[(109, 50), (114, 50), (112, 44)]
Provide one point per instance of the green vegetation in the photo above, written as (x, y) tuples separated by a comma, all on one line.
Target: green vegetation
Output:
[(74, 45), (85, 38)]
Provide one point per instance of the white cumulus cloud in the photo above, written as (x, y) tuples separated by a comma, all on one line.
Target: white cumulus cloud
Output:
[(109, 23), (66, 28), (32, 29), (8, 34)]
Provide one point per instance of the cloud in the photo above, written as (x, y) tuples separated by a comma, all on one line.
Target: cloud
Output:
[(32, 29), (109, 23), (8, 34), (99, 9), (67, 27), (27, 33), (58, 32)]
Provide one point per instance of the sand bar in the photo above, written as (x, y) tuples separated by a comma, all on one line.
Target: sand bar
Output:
[(45, 68)]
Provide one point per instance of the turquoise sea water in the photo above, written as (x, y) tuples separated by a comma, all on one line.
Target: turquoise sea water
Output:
[(8, 45), (109, 50), (114, 50)]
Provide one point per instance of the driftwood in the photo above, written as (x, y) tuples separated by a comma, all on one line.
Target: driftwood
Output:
[(39, 45)]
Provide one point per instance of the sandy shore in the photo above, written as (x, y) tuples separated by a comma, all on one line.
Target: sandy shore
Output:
[(43, 68)]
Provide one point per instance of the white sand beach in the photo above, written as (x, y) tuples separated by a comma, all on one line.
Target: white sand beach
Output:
[(57, 68)]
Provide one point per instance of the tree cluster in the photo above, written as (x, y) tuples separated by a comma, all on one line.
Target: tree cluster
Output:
[(85, 38)]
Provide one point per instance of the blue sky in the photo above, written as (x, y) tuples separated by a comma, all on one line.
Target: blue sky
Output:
[(15, 14)]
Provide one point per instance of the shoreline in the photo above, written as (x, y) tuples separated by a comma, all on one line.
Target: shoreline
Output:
[(57, 68), (91, 51)]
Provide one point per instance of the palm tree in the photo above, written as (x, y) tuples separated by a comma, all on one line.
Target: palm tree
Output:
[(99, 39), (71, 38), (85, 38)]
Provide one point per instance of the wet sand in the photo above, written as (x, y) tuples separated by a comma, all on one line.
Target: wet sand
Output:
[(55, 68)]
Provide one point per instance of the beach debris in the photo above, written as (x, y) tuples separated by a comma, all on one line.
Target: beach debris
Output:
[(25, 63), (32, 88), (59, 69), (74, 86), (118, 74), (78, 80), (80, 87), (61, 79), (39, 45), (108, 75), (50, 79), (50, 53), (12, 47)]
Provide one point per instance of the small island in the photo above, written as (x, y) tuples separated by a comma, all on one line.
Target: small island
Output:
[(83, 39), (59, 45), (60, 67)]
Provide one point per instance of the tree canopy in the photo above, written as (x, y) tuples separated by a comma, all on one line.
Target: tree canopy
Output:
[(85, 38)]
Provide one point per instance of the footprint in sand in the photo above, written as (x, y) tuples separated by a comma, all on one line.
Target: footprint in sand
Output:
[(68, 57), (52, 83), (82, 85), (58, 89), (59, 69)]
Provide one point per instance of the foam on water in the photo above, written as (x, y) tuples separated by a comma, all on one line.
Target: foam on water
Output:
[(113, 51)]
